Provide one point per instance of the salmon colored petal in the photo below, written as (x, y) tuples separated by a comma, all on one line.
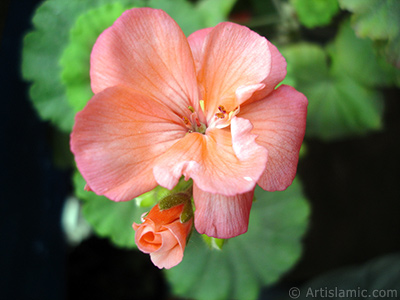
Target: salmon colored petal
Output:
[(174, 241), (146, 50), (116, 139), (163, 217), (146, 238), (279, 121), (222, 161), (196, 41), (277, 74), (234, 56), (221, 216)]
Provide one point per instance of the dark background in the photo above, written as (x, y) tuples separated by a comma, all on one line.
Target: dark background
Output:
[(352, 186)]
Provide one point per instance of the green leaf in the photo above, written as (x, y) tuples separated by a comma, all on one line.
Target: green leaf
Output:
[(41, 53), (257, 258), (339, 106), (114, 220), (61, 154), (213, 243), (75, 59), (111, 219), (182, 11), (356, 58), (378, 20), (192, 17), (380, 276), (56, 54), (214, 12), (313, 13)]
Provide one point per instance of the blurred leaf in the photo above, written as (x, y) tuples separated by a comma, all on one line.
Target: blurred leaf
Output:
[(261, 7), (192, 17), (62, 156), (182, 11), (339, 106), (114, 220), (380, 275), (313, 13), (75, 25), (378, 20), (213, 243), (108, 218), (75, 60), (356, 58), (257, 258), (41, 53), (214, 12)]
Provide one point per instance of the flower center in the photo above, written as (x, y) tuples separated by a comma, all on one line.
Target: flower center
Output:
[(223, 118), (193, 122)]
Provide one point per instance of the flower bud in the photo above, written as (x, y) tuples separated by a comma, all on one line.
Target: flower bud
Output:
[(163, 234)]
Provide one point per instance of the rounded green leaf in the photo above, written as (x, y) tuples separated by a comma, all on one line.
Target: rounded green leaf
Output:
[(192, 17), (75, 59), (313, 13), (356, 58), (183, 12), (246, 263), (42, 50), (114, 220), (378, 20), (111, 219), (377, 279), (214, 12), (339, 105)]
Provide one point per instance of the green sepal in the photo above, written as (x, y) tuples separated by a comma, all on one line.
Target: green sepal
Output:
[(150, 198), (213, 243), (187, 212), (174, 200)]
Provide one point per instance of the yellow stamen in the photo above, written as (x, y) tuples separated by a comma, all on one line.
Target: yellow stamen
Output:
[(201, 102)]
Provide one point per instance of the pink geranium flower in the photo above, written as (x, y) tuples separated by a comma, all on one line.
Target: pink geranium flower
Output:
[(204, 107), (163, 235)]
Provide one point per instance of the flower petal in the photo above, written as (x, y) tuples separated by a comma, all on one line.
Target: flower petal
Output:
[(234, 56), (146, 50), (146, 238), (116, 139), (279, 121), (196, 41), (277, 74), (221, 216), (223, 161), (163, 217), (174, 242)]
